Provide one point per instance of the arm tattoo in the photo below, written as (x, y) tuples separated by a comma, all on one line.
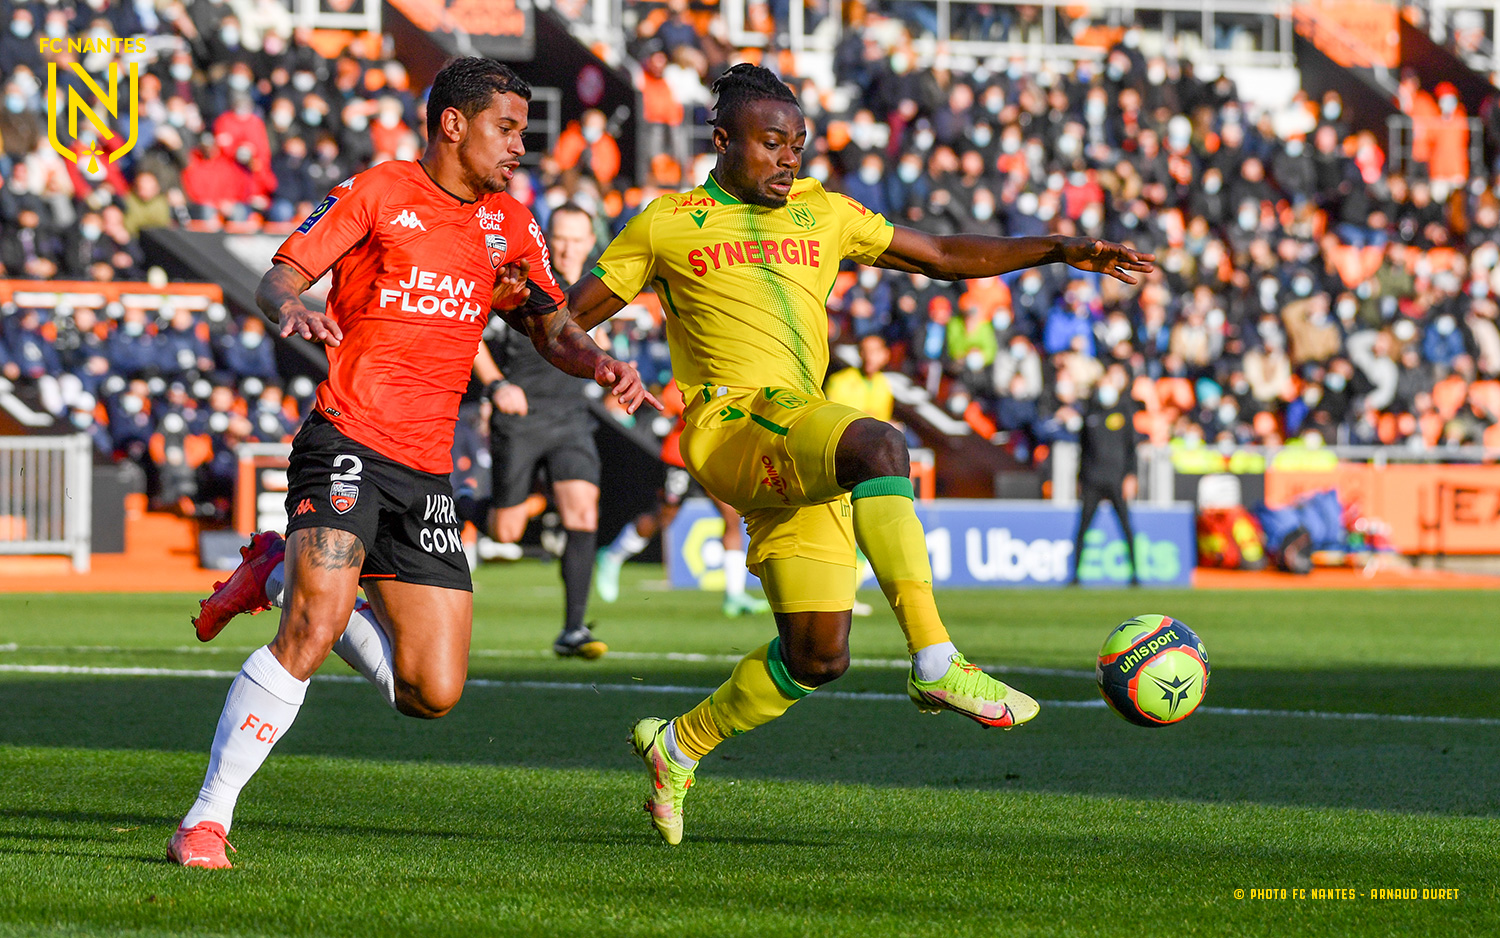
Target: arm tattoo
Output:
[(560, 341), (332, 549)]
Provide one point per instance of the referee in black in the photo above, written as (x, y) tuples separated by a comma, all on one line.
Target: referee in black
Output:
[(541, 421), (1107, 463)]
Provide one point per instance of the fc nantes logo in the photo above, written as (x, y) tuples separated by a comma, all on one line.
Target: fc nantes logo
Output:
[(86, 154), (802, 215)]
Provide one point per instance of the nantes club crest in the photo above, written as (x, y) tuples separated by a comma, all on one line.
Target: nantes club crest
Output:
[(343, 495), (496, 246)]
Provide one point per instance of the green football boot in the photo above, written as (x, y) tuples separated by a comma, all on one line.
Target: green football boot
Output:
[(669, 781), (744, 605), (607, 575), (967, 690)]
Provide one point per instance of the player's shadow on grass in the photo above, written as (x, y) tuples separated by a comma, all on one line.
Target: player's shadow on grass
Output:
[(1382, 765)]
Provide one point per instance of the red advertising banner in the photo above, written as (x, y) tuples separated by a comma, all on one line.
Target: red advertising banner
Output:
[(1432, 509)]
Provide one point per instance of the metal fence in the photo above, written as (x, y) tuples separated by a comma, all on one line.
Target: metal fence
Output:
[(46, 494)]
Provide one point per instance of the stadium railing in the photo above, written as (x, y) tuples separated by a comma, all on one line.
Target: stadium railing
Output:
[(1177, 19), (46, 496)]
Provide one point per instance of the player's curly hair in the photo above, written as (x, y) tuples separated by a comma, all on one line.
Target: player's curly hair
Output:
[(468, 83), (744, 84)]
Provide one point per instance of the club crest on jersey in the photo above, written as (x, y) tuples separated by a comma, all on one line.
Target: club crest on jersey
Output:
[(802, 215), (317, 214), (343, 495), (497, 247)]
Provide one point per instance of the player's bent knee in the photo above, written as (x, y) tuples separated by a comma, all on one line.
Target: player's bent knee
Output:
[(427, 701), (871, 449), (815, 670)]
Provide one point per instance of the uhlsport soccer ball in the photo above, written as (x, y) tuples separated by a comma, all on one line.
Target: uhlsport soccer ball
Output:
[(1153, 670)]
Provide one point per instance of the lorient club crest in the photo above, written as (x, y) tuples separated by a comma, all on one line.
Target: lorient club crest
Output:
[(497, 246), (343, 495)]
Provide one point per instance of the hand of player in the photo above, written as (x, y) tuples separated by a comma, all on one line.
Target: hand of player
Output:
[(511, 400), (1106, 257), (314, 327), (510, 286), (626, 384), (1128, 487)]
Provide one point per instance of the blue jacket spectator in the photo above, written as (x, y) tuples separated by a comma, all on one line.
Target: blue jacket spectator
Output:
[(183, 347), (132, 348), (249, 355), (1443, 340)]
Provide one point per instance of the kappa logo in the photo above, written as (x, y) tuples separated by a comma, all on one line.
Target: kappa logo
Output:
[(305, 507), (346, 184), (497, 246), (343, 496), (408, 219)]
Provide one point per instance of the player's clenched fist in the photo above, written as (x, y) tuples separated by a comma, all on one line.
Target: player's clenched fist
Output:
[(511, 289), (626, 384)]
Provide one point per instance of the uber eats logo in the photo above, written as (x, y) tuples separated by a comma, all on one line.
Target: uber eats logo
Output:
[(86, 97)]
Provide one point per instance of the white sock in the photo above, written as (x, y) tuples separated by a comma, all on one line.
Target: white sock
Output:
[(365, 647), (276, 584), (628, 543), (734, 573), (262, 703), (669, 740), (933, 661)]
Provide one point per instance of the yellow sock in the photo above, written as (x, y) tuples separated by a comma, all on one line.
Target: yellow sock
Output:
[(759, 691), (887, 530)]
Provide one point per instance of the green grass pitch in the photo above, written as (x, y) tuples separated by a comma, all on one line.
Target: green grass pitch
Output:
[(853, 815)]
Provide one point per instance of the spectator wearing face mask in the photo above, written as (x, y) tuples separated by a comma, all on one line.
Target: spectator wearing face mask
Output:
[(1312, 333), (86, 245), (132, 348), (249, 354), (295, 189), (1448, 133), (1070, 323), (1443, 340), (587, 143), (868, 186)]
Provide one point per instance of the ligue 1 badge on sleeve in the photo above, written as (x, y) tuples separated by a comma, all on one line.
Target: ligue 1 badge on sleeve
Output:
[(343, 495), (496, 245)]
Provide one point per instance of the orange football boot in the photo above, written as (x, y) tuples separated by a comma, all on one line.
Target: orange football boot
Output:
[(201, 845), (245, 590)]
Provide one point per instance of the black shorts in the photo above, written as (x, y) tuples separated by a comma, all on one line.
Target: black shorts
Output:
[(563, 443), (406, 518)]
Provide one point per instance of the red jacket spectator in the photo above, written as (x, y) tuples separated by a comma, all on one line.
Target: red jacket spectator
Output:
[(212, 177), (601, 153)]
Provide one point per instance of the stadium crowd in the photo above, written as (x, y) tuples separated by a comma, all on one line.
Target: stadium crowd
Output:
[(1305, 288)]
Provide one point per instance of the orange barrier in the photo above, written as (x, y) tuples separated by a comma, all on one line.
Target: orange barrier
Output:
[(1431, 509)]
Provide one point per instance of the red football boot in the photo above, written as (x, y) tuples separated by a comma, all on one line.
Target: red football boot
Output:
[(201, 845), (245, 590)]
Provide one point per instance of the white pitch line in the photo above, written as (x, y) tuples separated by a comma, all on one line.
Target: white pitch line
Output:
[(674, 656), (872, 696)]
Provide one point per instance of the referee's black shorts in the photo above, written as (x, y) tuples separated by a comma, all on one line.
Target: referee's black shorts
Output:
[(405, 518), (561, 442)]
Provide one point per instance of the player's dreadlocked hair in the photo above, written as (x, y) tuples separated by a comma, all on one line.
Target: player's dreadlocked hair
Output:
[(468, 83), (744, 84)]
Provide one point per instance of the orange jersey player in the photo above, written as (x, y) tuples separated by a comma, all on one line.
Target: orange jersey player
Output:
[(420, 253)]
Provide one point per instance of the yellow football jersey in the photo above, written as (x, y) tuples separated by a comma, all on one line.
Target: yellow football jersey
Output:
[(744, 287)]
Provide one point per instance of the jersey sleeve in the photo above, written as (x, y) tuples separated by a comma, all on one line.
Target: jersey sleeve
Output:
[(864, 234), (628, 263), (546, 295), (342, 220)]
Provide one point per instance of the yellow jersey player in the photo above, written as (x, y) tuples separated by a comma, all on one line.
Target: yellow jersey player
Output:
[(744, 265)]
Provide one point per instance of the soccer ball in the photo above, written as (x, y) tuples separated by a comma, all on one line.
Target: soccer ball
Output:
[(1153, 670)]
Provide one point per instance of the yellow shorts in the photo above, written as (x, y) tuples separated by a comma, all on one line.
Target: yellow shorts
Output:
[(769, 454)]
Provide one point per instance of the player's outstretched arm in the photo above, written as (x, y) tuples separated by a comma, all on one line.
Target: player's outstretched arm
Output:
[(592, 302), (279, 296), (567, 347), (961, 257)]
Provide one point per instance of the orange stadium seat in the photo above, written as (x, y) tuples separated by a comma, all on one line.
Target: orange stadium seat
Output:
[(1448, 395)]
